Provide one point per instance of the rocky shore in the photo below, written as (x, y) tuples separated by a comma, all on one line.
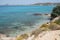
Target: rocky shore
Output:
[(48, 31), (40, 14)]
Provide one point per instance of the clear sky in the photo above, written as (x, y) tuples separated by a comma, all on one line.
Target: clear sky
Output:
[(25, 2)]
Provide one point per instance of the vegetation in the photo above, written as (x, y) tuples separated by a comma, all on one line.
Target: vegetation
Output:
[(22, 37), (53, 26), (42, 28), (57, 21), (55, 12), (47, 27)]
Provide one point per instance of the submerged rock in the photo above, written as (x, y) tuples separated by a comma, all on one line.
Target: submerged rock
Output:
[(37, 14)]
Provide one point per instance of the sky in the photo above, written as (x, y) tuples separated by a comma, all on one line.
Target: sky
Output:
[(25, 2)]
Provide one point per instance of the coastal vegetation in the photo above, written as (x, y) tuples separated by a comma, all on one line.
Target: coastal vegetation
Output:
[(22, 37), (55, 12), (57, 21)]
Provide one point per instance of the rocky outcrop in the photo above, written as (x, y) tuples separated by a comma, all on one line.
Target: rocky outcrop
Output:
[(49, 35), (55, 19), (48, 31)]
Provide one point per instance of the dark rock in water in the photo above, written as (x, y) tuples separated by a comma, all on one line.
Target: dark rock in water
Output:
[(16, 27), (37, 14), (46, 14)]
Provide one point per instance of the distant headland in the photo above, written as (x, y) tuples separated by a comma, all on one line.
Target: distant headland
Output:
[(46, 4), (41, 4)]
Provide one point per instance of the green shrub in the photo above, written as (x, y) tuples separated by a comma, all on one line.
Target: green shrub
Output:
[(55, 12), (57, 21), (21, 37)]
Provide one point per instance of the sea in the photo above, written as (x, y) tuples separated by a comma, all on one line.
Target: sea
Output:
[(16, 20)]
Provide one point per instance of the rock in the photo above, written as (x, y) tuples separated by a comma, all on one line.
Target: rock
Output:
[(37, 14)]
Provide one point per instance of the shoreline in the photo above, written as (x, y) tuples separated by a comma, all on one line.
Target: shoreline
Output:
[(43, 28), (35, 26), (38, 33), (29, 32)]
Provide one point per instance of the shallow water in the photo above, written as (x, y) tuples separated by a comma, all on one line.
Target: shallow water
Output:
[(15, 20)]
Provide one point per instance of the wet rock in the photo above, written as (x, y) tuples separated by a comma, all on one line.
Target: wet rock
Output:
[(37, 14)]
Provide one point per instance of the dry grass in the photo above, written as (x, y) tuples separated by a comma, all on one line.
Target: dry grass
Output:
[(21, 37)]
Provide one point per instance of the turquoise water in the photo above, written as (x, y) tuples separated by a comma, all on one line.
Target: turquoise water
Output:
[(17, 19), (45, 9)]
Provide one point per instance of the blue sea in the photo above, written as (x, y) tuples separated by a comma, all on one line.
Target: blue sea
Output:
[(15, 20)]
